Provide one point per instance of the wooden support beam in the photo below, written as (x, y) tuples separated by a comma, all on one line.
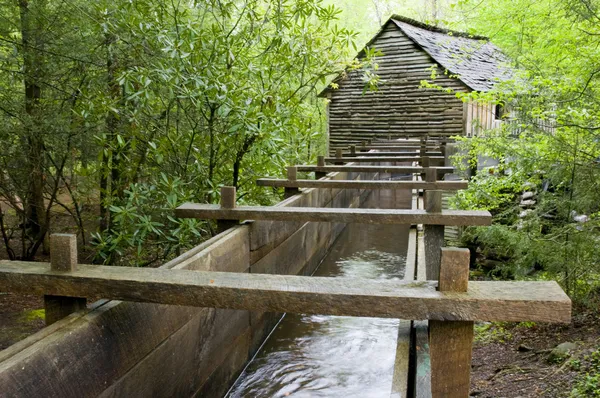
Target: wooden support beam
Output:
[(433, 235), (341, 215), (425, 162), (320, 163), (451, 343), (363, 184), (398, 146), (292, 174), (484, 301), (228, 197), (371, 169), (338, 157), (63, 258), (422, 381), (431, 175), (386, 153), (381, 158)]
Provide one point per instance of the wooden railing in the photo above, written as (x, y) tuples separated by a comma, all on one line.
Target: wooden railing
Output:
[(446, 299)]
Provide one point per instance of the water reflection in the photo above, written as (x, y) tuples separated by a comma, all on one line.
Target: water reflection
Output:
[(332, 356)]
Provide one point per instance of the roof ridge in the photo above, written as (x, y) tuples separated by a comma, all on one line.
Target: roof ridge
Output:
[(437, 29)]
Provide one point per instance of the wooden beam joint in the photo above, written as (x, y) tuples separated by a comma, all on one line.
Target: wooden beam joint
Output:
[(63, 258)]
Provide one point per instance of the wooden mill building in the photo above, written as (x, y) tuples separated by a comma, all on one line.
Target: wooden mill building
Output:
[(401, 107)]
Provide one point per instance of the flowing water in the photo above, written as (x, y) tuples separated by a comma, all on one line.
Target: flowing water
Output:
[(337, 356)]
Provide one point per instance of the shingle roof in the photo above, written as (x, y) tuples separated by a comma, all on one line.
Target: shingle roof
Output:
[(477, 62)]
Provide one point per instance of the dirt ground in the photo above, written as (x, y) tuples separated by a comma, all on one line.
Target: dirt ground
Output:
[(20, 316), (511, 360)]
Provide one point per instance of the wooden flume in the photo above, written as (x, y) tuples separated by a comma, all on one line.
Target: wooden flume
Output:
[(447, 299)]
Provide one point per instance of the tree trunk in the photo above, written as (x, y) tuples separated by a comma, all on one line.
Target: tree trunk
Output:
[(212, 156), (248, 142), (31, 31), (110, 166)]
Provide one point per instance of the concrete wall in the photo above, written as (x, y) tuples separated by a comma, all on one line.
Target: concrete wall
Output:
[(123, 349)]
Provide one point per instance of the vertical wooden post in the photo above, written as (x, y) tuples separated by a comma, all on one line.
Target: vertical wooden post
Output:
[(320, 163), (338, 155), (451, 342), (433, 235), (430, 174), (424, 164), (63, 258), (423, 148), (292, 174), (228, 195)]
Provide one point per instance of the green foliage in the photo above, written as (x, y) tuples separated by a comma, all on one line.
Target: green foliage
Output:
[(547, 146), (143, 220), (588, 384), (34, 315), (214, 93), (491, 332)]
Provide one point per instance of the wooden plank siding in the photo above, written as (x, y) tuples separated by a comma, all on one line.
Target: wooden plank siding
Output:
[(400, 108), (479, 117)]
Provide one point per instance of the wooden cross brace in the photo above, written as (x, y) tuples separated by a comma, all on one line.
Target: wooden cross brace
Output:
[(230, 211), (451, 304)]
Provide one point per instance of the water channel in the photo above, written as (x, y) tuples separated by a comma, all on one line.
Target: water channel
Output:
[(334, 356)]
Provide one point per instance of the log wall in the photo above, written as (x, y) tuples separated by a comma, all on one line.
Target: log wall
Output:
[(120, 349), (400, 108)]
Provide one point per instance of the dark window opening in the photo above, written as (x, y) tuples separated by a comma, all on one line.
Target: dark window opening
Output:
[(499, 111)]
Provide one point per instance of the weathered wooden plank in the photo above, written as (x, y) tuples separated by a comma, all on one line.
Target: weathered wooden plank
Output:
[(389, 153), (203, 347), (266, 235), (46, 332), (400, 384), (63, 257), (422, 360), (484, 301), (343, 215), (401, 362), (82, 344), (380, 159), (131, 331), (353, 184), (397, 146), (451, 343), (433, 235), (371, 169)]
